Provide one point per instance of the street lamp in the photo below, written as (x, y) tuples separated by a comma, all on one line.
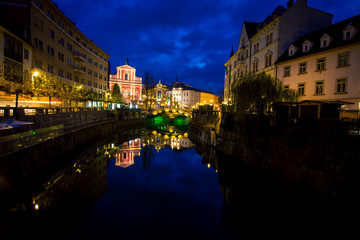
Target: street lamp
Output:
[(34, 75)]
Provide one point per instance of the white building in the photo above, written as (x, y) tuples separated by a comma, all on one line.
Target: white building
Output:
[(262, 43), (324, 65), (189, 97)]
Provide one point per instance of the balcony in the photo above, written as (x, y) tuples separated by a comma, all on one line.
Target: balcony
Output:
[(79, 56), (79, 69)]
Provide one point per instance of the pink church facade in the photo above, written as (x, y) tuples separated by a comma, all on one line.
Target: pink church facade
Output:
[(130, 85)]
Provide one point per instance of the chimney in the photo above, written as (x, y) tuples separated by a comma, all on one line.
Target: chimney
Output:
[(290, 3), (302, 2)]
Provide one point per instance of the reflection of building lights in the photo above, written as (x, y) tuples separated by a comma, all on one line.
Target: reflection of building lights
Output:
[(208, 165), (36, 207)]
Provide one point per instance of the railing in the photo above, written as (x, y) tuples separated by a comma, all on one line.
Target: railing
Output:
[(50, 123)]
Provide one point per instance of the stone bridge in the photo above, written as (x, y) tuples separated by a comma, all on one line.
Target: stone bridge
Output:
[(171, 112)]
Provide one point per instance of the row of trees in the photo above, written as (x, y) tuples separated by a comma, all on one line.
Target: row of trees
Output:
[(51, 86)]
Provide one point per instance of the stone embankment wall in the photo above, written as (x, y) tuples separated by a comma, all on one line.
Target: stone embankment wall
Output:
[(319, 155), (26, 162)]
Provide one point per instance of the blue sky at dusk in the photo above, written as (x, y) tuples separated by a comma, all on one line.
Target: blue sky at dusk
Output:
[(189, 38)]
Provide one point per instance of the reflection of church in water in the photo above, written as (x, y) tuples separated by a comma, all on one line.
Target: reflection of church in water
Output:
[(124, 157)]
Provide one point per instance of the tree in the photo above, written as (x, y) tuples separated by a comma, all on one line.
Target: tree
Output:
[(15, 80), (257, 92), (116, 95), (47, 85), (148, 84)]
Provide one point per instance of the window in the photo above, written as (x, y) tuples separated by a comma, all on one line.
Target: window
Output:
[(126, 76), (51, 51), (39, 4), (320, 64), (301, 89), (343, 59), (89, 83), (255, 66), (341, 85), (69, 32), (95, 63), (292, 49), (76, 78), (26, 53), (51, 33), (89, 60), (69, 61), (268, 60), (319, 87), (61, 41), (50, 15), (95, 74), (60, 24), (38, 23), (256, 47), (83, 43), (60, 73), (38, 44), (269, 39), (69, 76), (89, 71), (302, 67), (69, 46), (61, 56), (307, 45), (50, 68), (287, 71), (38, 64)]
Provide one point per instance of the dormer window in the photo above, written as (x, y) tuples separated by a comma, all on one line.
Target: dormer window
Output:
[(307, 45), (292, 50), (349, 32), (325, 40)]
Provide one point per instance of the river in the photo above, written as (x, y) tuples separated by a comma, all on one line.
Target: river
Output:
[(146, 184)]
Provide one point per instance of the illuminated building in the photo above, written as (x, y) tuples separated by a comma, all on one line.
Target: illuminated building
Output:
[(59, 48), (188, 97), (261, 44), (130, 85), (324, 65), (124, 157)]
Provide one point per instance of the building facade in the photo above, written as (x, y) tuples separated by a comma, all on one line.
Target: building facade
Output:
[(55, 46), (15, 62), (324, 65), (185, 96), (130, 85), (261, 44), (60, 48)]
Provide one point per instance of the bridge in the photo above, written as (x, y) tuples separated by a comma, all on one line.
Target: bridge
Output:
[(171, 112)]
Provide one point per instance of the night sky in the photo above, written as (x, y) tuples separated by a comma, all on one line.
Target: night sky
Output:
[(191, 39)]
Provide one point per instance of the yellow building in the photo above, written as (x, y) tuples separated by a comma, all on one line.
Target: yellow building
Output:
[(51, 44), (62, 49)]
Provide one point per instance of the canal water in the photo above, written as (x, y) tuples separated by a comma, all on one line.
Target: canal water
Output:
[(146, 183)]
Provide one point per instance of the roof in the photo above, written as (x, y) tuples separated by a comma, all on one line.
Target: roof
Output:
[(251, 28), (186, 87), (335, 31)]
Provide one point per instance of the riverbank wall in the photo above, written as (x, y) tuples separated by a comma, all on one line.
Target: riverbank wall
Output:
[(316, 155), (27, 162)]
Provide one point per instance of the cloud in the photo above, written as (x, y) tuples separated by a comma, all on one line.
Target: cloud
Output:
[(191, 39)]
